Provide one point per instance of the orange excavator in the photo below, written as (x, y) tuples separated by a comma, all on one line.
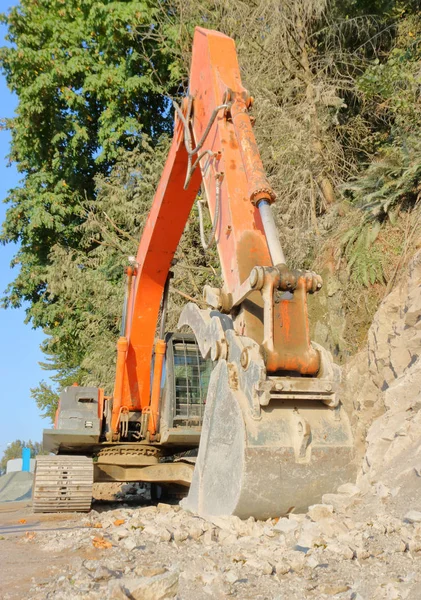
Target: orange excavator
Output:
[(242, 411)]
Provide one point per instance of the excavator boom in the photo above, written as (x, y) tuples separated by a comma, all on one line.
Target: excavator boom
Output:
[(214, 144)]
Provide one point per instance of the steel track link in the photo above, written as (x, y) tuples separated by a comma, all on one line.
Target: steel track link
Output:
[(63, 484)]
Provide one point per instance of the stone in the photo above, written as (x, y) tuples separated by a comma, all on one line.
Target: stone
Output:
[(116, 591), (262, 566), (332, 589), (268, 532), (149, 571), (231, 576), (349, 489), (160, 587), (312, 561), (413, 516), (286, 525), (341, 550), (316, 512), (129, 544), (282, 568), (297, 561), (103, 574), (195, 532), (180, 535), (382, 491), (165, 508), (209, 536), (229, 539), (414, 546), (120, 534), (341, 502)]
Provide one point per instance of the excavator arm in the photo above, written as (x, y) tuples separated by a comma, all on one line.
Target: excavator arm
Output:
[(214, 144)]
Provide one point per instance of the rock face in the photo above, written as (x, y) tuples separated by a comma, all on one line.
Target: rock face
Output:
[(382, 381)]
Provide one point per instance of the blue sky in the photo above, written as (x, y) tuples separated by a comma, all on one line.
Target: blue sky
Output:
[(20, 347)]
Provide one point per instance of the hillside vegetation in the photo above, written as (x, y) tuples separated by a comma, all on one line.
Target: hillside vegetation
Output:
[(338, 121)]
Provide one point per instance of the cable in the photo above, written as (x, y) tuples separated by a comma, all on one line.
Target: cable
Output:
[(185, 119), (187, 135), (208, 244)]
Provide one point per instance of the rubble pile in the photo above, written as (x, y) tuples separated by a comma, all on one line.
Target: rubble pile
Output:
[(163, 552)]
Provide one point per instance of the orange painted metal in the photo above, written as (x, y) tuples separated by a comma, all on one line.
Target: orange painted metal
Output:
[(160, 348), (258, 185), (232, 159), (163, 229), (122, 346), (292, 348), (56, 416)]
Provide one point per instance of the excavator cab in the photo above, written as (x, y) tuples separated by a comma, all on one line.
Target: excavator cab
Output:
[(185, 382)]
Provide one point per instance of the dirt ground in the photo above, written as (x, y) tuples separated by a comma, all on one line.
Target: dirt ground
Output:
[(23, 563)]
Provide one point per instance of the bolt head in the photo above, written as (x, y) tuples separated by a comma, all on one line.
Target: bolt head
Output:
[(244, 358)]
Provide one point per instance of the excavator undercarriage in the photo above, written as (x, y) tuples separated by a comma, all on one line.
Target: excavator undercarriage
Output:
[(246, 387)]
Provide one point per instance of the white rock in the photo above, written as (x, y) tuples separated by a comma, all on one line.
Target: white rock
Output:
[(129, 544), (308, 533), (320, 511), (262, 566), (166, 508), (103, 574), (297, 561), (413, 516), (268, 531), (312, 561), (116, 591), (286, 525), (160, 587), (209, 537), (195, 531), (382, 491), (231, 576), (229, 540), (341, 550), (341, 502), (349, 489), (180, 535), (282, 568)]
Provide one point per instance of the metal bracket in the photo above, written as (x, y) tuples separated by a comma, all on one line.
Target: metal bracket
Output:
[(209, 328)]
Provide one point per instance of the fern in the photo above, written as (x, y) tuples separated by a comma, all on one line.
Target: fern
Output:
[(365, 260), (388, 181)]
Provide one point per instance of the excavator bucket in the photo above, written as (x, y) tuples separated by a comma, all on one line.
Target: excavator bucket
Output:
[(269, 445)]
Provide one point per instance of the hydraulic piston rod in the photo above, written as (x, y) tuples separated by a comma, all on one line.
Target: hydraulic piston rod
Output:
[(274, 245)]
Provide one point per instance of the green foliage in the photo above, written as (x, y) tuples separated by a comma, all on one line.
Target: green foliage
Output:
[(365, 259), (14, 450), (389, 180), (90, 77), (392, 179), (86, 285), (46, 400)]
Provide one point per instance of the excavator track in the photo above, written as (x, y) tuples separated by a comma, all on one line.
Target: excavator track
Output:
[(63, 484)]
